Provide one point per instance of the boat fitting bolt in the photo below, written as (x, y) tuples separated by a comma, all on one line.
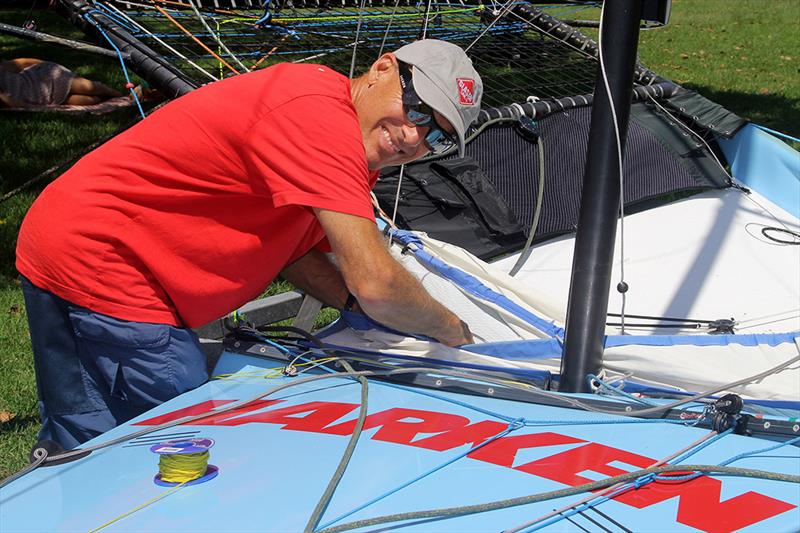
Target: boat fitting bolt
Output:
[(796, 428), (490, 390), (438, 382), (622, 287)]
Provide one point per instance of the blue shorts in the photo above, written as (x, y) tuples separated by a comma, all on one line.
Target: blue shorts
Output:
[(94, 372)]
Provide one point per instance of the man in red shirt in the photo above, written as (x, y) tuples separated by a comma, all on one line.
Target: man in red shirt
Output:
[(192, 212)]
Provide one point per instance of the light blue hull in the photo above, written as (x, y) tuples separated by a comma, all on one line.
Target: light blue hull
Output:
[(274, 470)]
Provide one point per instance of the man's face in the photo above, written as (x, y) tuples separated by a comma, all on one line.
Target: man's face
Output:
[(390, 138)]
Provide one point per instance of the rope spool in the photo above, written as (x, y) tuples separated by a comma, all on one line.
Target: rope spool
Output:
[(184, 462)]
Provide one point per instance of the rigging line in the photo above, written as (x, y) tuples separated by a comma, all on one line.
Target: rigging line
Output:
[(181, 4), (604, 515), (617, 486), (546, 31), (272, 51), (714, 156), (442, 513), (195, 39), (161, 41), (139, 507), (607, 86), (574, 523), (503, 12), (526, 250), (426, 20), (129, 85), (512, 426), (388, 26), (355, 41), (777, 133), (690, 130), (396, 202), (215, 36), (664, 318), (322, 505)]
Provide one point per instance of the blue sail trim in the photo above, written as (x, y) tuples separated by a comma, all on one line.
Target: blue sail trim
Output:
[(474, 286), (753, 339)]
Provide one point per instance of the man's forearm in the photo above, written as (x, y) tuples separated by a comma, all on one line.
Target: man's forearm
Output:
[(314, 274)]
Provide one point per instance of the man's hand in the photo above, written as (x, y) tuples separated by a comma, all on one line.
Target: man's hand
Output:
[(464, 336), (385, 290)]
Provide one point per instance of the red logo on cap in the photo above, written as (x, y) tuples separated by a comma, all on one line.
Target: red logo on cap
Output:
[(466, 91)]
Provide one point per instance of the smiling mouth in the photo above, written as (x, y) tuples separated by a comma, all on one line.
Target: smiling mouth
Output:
[(389, 140)]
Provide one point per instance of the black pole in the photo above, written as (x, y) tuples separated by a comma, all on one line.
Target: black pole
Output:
[(597, 224)]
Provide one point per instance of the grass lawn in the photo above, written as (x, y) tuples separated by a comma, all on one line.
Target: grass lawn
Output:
[(742, 54)]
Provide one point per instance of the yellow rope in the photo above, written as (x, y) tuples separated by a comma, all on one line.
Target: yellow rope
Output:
[(182, 467), (142, 506)]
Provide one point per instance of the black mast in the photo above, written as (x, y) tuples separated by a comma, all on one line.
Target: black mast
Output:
[(597, 224)]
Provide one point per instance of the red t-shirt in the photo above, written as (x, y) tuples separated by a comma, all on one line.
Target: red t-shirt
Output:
[(193, 211)]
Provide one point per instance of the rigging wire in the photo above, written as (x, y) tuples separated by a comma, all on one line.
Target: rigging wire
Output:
[(355, 41), (215, 36), (388, 27), (426, 19), (160, 41), (622, 286), (694, 447), (503, 12), (396, 202), (128, 84), (561, 493), (716, 159)]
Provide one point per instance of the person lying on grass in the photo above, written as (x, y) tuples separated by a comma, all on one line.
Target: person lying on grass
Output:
[(29, 82)]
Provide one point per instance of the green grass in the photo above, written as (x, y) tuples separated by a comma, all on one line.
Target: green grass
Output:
[(742, 54)]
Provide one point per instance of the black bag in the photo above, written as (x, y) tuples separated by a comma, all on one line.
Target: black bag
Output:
[(452, 201)]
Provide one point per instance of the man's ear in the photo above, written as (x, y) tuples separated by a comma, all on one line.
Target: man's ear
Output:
[(386, 64)]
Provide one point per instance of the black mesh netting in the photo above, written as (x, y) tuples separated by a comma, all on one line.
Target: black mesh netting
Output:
[(653, 169)]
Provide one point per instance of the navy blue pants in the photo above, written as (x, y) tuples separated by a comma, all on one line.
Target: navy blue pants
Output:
[(94, 372)]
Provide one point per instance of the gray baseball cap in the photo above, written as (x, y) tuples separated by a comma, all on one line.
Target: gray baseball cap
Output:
[(444, 78)]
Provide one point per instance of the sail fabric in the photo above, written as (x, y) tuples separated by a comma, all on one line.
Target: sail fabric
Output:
[(518, 329)]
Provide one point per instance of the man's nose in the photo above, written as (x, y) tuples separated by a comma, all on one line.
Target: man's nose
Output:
[(414, 134)]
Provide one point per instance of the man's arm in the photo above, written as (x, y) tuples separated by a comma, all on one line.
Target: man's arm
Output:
[(316, 275), (385, 290)]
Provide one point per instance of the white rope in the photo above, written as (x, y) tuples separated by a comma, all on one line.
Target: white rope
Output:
[(355, 42), (396, 199), (160, 41), (216, 37), (506, 9)]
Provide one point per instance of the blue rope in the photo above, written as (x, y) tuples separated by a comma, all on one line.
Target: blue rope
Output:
[(128, 83), (733, 459), (514, 425), (777, 133), (635, 484)]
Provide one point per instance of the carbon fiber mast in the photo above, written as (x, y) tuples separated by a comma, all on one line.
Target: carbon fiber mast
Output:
[(600, 197)]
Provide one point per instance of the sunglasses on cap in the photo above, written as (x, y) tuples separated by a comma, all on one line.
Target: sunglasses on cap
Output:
[(420, 114)]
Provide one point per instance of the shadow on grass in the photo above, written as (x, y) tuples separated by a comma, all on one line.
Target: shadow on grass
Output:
[(771, 110)]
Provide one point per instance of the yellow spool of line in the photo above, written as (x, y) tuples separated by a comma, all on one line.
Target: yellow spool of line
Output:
[(181, 468), (184, 461)]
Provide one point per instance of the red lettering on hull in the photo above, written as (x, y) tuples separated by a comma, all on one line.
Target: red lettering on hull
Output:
[(699, 504)]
